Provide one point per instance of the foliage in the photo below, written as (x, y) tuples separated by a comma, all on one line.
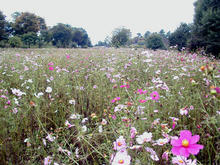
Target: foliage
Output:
[(66, 36), (15, 42), (28, 22), (3, 22), (80, 37), (147, 34), (206, 26), (120, 37), (29, 39), (154, 41), (61, 35), (180, 36)]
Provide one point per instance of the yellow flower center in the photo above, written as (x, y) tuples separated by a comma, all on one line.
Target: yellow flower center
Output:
[(185, 143), (180, 161), (119, 143), (121, 161)]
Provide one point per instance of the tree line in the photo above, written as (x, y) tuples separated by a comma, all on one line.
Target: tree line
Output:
[(202, 34), (28, 30)]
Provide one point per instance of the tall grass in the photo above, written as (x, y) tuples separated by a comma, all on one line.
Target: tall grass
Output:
[(80, 119)]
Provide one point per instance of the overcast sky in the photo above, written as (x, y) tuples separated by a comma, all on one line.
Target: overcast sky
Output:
[(100, 17)]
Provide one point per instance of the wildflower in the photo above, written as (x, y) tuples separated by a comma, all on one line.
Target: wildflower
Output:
[(104, 122), (100, 129), (39, 94), (153, 153), (75, 116), (93, 116), (44, 142), (32, 104), (120, 144), (186, 144), (15, 110), (72, 102), (84, 120), (140, 91), (133, 132), (67, 123), (50, 138), (48, 90), (67, 56), (155, 95), (47, 160), (135, 147), (50, 64), (145, 137), (121, 159), (17, 92), (165, 155), (84, 128), (161, 142), (116, 99), (51, 68), (142, 101), (184, 111)]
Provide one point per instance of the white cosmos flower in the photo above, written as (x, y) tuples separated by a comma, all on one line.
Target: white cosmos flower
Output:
[(48, 90), (121, 158), (84, 128), (145, 137), (72, 102), (17, 92), (50, 138)]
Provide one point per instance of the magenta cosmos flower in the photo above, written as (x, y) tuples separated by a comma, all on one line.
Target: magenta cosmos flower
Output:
[(155, 95), (186, 144)]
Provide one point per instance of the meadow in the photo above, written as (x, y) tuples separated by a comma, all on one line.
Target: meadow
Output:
[(108, 106)]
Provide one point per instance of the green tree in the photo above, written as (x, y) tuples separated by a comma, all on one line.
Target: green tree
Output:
[(120, 37), (180, 36), (154, 41), (29, 39), (3, 24), (28, 22), (147, 34), (61, 35), (206, 28), (80, 37), (15, 42)]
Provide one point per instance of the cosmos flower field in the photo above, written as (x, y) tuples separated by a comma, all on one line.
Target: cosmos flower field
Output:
[(108, 106)]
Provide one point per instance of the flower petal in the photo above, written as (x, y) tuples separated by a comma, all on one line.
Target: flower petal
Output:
[(194, 139), (185, 134), (194, 148), (176, 143), (184, 152), (175, 150)]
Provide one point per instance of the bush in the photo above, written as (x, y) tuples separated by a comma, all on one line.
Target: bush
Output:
[(154, 41), (15, 42)]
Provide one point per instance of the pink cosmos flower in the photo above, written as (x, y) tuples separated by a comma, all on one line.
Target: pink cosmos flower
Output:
[(51, 68), (125, 86), (155, 95), (186, 144), (50, 64), (142, 101), (140, 91), (133, 132), (115, 99), (67, 56), (217, 89)]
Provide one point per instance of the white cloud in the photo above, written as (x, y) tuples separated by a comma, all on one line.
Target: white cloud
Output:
[(100, 17)]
